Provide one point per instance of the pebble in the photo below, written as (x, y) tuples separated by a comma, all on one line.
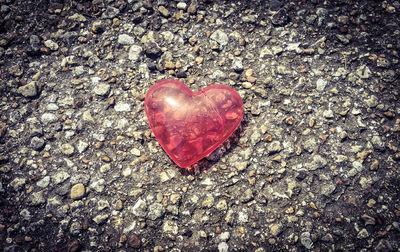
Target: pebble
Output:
[(223, 247), (155, 211), (122, 107), (220, 37), (47, 118), (208, 202), (305, 239), (134, 241), (44, 182), (67, 149), (321, 84), (37, 198), (135, 52), (363, 234), (125, 39), (274, 147), (181, 6), (275, 229), (98, 185), (164, 11), (111, 12), (222, 205), (51, 44), (101, 89), (328, 114), (81, 146), (100, 218), (77, 191), (29, 90), (318, 162), (140, 208), (37, 143), (237, 65), (170, 226)]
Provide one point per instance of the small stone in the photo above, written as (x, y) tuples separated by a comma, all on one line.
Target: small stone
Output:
[(37, 143), (29, 90), (328, 114), (274, 147), (135, 52), (363, 234), (363, 72), (44, 182), (220, 37), (155, 211), (318, 162), (101, 89), (101, 218), (321, 84), (134, 241), (111, 12), (51, 44), (98, 185), (17, 183), (67, 149), (378, 143), (374, 165), (237, 65), (122, 107), (82, 146), (37, 198), (223, 247), (77, 191), (208, 202), (241, 166), (181, 6), (170, 227), (164, 11), (125, 39), (47, 118), (140, 208), (305, 239), (221, 205), (192, 9), (275, 229)]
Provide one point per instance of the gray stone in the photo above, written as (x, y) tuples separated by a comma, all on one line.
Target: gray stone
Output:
[(224, 236), (382, 62), (67, 149), (101, 89), (102, 204), (37, 143), (60, 177), (75, 228), (328, 188), (343, 39), (181, 6), (44, 182), (135, 52), (246, 196), (100, 218), (310, 145), (18, 183), (363, 72), (139, 209), (34, 42), (318, 162), (29, 90), (125, 39), (328, 114), (170, 227), (363, 234), (98, 185), (378, 143), (305, 239), (321, 84), (48, 118), (81, 146), (164, 11), (310, 19), (223, 247), (25, 214), (51, 44), (274, 147), (372, 101), (220, 37), (111, 12), (122, 107), (156, 210), (36, 198), (237, 65)]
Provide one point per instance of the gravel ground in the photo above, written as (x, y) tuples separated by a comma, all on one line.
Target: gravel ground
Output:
[(314, 164)]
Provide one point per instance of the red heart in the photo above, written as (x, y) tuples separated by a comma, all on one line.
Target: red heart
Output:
[(188, 125)]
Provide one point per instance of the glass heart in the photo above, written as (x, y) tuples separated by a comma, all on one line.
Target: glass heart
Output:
[(190, 125)]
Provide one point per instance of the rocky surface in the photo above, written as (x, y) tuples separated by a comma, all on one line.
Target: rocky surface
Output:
[(315, 164)]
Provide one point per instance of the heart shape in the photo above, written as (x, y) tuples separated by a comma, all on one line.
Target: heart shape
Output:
[(189, 125)]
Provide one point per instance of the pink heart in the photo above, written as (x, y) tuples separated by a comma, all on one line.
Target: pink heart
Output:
[(188, 125)]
